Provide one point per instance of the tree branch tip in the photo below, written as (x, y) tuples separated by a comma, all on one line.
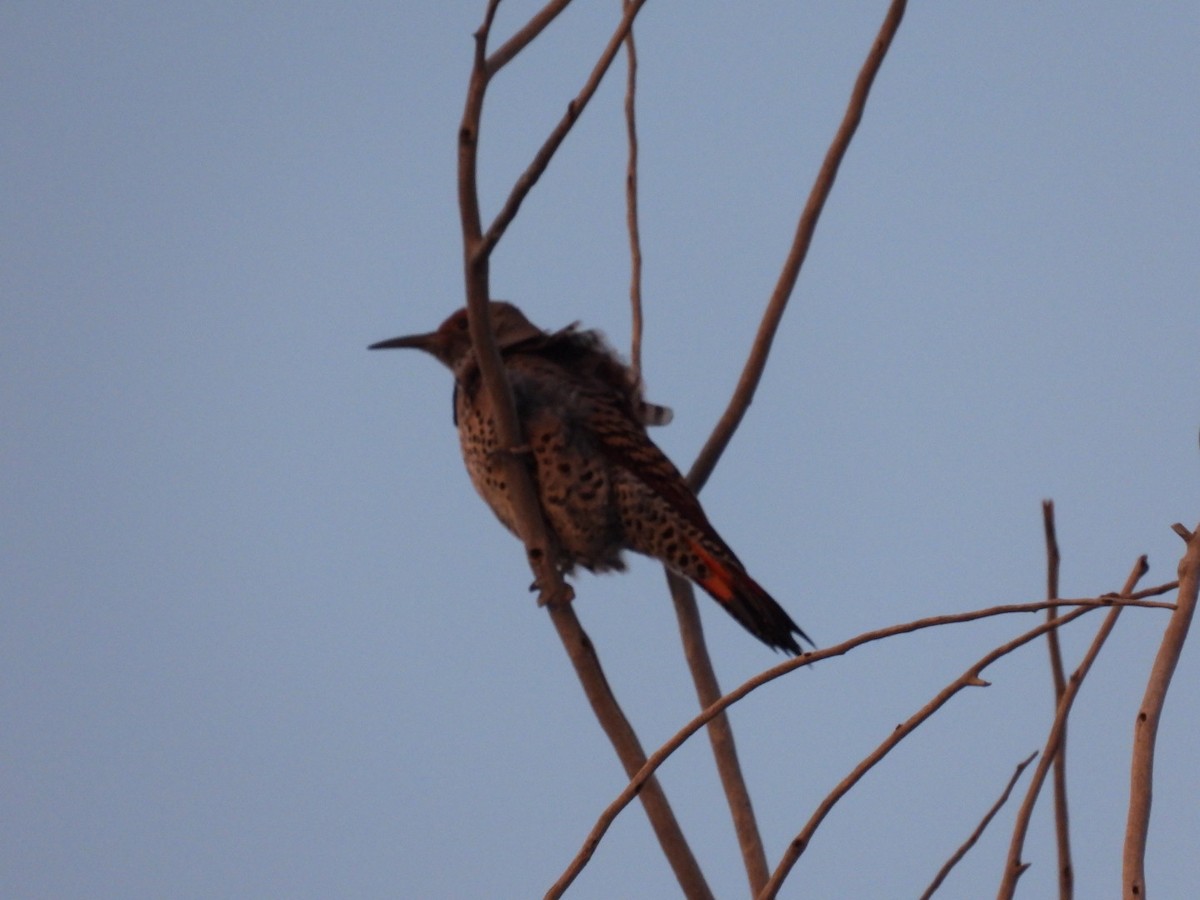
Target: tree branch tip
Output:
[(1182, 531), (976, 681)]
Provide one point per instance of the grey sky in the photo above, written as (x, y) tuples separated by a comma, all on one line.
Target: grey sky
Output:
[(258, 638)]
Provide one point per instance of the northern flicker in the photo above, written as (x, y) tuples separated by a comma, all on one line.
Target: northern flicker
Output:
[(603, 484)]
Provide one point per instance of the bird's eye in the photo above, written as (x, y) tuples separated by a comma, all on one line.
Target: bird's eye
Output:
[(461, 324)]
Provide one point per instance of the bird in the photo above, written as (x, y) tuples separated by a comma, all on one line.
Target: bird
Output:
[(603, 485)]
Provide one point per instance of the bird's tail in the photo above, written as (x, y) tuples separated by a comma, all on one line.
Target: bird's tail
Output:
[(743, 598)]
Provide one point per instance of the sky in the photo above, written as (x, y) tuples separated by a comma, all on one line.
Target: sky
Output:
[(259, 638)]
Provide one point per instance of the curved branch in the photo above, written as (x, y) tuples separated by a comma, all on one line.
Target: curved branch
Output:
[(748, 383), (1145, 729)]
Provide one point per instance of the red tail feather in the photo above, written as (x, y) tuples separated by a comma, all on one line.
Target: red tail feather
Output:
[(742, 597)]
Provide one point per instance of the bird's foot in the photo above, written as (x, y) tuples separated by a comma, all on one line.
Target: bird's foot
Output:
[(554, 596)]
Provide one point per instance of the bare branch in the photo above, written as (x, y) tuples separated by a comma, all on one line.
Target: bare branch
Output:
[(546, 152), (1157, 591), (519, 41), (720, 733), (1145, 730), (1014, 868), (631, 203), (708, 690), (1062, 828), (978, 832), (659, 756), (748, 383)]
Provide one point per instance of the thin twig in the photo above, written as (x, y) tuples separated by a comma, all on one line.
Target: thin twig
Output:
[(531, 29), (720, 733), (1014, 868), (979, 829), (631, 203), (1145, 730), (530, 524), (1062, 827), (545, 153), (752, 373), (1157, 591), (708, 689), (659, 756)]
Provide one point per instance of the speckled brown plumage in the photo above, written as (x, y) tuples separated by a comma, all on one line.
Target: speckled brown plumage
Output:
[(603, 484)]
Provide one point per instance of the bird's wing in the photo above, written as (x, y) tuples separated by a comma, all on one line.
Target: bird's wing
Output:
[(621, 436)]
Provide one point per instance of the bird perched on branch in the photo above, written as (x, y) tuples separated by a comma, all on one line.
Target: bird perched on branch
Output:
[(603, 485)]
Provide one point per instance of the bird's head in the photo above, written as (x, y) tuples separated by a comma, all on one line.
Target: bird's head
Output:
[(451, 343)]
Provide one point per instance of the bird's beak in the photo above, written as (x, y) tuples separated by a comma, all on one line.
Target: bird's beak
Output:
[(424, 342)]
